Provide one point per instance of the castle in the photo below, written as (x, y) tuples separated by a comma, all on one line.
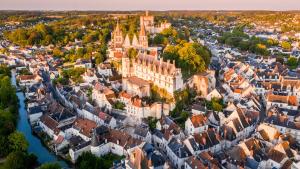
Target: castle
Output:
[(161, 73), (146, 69)]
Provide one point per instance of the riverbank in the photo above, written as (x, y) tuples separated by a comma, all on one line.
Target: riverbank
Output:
[(35, 145)]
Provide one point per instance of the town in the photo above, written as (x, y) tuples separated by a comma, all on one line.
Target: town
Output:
[(147, 91)]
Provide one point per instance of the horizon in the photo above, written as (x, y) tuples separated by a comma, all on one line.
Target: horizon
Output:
[(152, 5)]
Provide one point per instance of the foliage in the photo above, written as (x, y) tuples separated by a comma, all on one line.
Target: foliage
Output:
[(160, 39), (237, 38), (190, 57), (24, 71), (286, 45), (17, 142), (215, 104), (132, 53), (20, 160), (74, 74), (89, 160), (183, 99), (12, 144), (152, 123), (50, 166), (160, 94), (292, 62), (119, 105)]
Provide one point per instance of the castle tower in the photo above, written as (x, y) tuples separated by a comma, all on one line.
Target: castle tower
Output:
[(143, 39), (117, 37)]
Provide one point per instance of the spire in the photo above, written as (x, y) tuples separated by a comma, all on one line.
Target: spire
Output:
[(143, 32), (117, 30), (94, 141), (135, 41), (127, 41)]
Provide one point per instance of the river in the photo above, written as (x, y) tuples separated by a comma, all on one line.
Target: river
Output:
[(35, 145)]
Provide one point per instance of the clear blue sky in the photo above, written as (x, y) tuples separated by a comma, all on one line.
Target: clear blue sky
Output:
[(150, 4)]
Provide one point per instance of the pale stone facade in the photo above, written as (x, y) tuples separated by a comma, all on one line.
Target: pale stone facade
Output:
[(162, 74)]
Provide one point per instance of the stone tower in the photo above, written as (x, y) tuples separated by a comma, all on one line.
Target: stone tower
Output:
[(143, 39), (118, 37)]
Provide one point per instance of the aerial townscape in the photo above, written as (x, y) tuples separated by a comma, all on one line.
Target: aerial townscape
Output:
[(150, 89)]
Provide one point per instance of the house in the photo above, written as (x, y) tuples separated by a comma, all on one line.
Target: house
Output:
[(213, 94), (28, 80), (193, 162), (288, 102), (103, 96), (107, 120), (34, 114), (138, 109), (56, 120), (136, 86), (82, 128), (198, 109), (83, 63), (142, 132), (177, 152), (204, 83), (106, 141), (196, 124), (104, 69)]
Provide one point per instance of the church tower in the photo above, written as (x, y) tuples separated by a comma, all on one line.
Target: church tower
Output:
[(143, 39), (118, 37)]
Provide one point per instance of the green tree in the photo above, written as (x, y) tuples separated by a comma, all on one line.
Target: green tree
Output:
[(88, 160), (20, 160), (292, 62), (50, 166), (17, 142), (99, 58), (132, 53)]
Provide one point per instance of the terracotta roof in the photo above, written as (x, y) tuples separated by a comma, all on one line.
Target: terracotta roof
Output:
[(123, 139), (138, 81), (276, 155), (198, 120), (125, 95), (291, 100), (59, 139), (85, 126), (118, 55), (50, 123), (27, 77), (193, 162)]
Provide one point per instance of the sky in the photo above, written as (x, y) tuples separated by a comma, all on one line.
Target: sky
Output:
[(125, 5)]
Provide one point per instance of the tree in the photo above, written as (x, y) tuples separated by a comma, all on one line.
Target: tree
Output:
[(119, 105), (286, 45), (152, 123), (159, 39), (292, 62), (50, 166), (20, 160), (57, 52), (99, 58), (132, 53), (17, 142), (88, 160)]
